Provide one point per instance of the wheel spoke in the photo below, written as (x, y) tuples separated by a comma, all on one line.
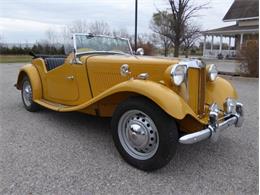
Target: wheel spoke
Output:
[(27, 93)]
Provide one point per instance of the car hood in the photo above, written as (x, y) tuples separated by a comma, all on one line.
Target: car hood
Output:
[(131, 60), (106, 68)]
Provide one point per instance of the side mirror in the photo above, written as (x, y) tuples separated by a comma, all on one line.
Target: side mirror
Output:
[(140, 51)]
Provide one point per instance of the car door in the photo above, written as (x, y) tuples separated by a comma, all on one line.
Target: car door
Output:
[(62, 85)]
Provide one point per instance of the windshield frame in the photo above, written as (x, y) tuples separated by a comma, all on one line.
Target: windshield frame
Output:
[(99, 52)]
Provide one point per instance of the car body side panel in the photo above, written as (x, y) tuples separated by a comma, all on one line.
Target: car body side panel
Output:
[(80, 74), (167, 99), (58, 88)]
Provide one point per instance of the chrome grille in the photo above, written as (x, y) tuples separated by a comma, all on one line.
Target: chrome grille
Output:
[(196, 89), (202, 91)]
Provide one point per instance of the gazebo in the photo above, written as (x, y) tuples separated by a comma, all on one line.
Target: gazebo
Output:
[(246, 16)]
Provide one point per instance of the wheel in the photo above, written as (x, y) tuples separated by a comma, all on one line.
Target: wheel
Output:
[(145, 136), (27, 96)]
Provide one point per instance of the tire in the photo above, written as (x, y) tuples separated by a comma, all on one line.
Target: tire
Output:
[(145, 136), (27, 95)]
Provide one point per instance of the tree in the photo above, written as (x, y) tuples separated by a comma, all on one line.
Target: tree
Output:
[(192, 33), (81, 26), (122, 32), (51, 36), (250, 54), (160, 26), (182, 11), (78, 26), (1, 39), (99, 28)]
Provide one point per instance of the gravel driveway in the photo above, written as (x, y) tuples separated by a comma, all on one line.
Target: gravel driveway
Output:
[(72, 153)]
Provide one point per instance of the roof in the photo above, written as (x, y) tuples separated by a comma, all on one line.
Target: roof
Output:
[(243, 9), (233, 30)]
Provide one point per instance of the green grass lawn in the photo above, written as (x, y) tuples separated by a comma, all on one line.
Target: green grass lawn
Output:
[(15, 58)]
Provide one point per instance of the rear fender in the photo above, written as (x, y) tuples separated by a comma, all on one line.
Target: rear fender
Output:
[(31, 72)]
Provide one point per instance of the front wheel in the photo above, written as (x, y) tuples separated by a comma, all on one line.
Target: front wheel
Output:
[(145, 136)]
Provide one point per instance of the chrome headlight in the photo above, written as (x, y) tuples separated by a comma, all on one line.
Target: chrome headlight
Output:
[(178, 74), (212, 72)]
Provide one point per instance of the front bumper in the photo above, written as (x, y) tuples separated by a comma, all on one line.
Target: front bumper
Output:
[(215, 127)]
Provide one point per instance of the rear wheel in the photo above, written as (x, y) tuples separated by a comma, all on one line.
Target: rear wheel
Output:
[(145, 136), (27, 95)]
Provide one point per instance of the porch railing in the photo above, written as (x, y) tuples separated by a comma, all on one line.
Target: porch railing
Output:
[(215, 53)]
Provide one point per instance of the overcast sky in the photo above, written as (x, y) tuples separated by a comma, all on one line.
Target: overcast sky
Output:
[(28, 20)]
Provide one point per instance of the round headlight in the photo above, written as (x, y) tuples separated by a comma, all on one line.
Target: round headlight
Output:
[(178, 73), (212, 72)]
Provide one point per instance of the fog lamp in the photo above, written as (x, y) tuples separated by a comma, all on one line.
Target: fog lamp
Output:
[(230, 106)]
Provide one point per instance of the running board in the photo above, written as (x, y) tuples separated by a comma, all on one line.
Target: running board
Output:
[(51, 105)]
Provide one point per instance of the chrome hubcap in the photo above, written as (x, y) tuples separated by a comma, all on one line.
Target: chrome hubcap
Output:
[(27, 93), (138, 134)]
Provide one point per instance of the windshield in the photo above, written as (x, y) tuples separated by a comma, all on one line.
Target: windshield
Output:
[(89, 43)]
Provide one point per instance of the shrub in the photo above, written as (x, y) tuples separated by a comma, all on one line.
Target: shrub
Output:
[(193, 51), (250, 54), (220, 56)]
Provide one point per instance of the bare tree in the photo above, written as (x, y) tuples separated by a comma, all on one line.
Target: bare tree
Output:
[(160, 25), (99, 28), (81, 26), (192, 34), (2, 41), (123, 33), (182, 11), (51, 36), (78, 26)]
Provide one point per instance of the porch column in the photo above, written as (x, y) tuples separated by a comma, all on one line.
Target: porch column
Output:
[(212, 41), (241, 39), (204, 45), (220, 46), (229, 44)]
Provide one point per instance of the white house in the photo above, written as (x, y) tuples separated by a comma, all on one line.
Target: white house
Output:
[(246, 15)]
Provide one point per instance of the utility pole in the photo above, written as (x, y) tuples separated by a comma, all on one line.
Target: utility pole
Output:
[(136, 9)]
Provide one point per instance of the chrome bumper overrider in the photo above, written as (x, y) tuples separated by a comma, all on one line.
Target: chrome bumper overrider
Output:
[(214, 127)]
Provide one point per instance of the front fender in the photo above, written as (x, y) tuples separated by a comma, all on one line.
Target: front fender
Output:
[(164, 97), (31, 72), (218, 91)]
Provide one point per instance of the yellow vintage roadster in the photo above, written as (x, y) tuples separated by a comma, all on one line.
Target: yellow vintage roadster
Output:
[(154, 103)]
